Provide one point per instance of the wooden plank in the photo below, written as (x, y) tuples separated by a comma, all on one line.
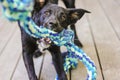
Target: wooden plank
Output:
[(107, 43), (60, 3), (21, 73), (48, 71), (7, 29), (87, 41), (112, 12), (118, 2), (86, 38), (38, 65), (10, 56)]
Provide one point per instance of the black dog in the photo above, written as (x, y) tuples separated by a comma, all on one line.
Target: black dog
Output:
[(68, 4), (55, 18)]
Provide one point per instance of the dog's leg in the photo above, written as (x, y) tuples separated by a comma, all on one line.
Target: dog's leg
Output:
[(71, 4), (28, 48), (58, 62), (76, 40), (28, 60)]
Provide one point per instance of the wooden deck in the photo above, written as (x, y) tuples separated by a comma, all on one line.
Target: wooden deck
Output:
[(99, 32)]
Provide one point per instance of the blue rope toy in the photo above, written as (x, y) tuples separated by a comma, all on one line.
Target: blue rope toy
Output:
[(20, 10)]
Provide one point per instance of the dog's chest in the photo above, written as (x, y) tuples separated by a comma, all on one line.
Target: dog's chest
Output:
[(43, 44)]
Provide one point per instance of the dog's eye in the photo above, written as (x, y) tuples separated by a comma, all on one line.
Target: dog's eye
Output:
[(47, 13), (63, 17)]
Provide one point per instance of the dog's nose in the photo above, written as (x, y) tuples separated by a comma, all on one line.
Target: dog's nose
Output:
[(51, 23), (55, 27), (52, 20)]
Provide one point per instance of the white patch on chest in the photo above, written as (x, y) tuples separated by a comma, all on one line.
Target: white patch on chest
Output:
[(43, 45)]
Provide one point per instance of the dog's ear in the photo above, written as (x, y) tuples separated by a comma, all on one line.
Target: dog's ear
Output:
[(75, 14)]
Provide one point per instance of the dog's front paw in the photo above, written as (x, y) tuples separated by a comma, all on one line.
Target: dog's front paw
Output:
[(63, 77), (34, 78)]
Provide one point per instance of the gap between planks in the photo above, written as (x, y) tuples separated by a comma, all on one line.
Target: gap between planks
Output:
[(10, 57), (106, 41), (85, 36)]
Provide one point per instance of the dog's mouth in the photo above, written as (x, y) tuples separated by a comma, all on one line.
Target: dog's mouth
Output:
[(53, 27), (47, 41), (43, 44)]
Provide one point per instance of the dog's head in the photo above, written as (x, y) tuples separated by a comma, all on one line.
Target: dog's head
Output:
[(57, 18)]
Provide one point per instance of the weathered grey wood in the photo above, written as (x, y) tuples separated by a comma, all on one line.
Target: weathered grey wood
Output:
[(118, 2), (21, 73), (10, 56), (107, 43), (7, 29), (48, 71), (85, 37), (38, 65), (112, 12)]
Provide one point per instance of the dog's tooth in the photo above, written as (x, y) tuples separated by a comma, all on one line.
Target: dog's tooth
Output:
[(50, 41)]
